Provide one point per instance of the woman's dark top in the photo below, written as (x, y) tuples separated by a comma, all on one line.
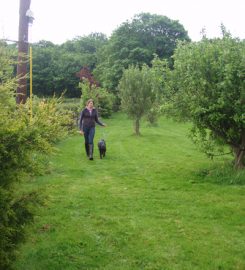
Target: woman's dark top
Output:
[(87, 119)]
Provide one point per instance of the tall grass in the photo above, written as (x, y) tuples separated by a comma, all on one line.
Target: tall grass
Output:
[(154, 202)]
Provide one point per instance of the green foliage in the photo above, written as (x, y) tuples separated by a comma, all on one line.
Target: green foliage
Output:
[(55, 66), (135, 43), (54, 71), (49, 121), (209, 90), (72, 107), (135, 91), (7, 83), (86, 47), (15, 212), (24, 141), (159, 73), (23, 144), (103, 100), (152, 116)]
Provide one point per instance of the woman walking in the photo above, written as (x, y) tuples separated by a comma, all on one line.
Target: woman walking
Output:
[(88, 118)]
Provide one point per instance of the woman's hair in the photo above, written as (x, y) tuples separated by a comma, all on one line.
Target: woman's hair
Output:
[(90, 100)]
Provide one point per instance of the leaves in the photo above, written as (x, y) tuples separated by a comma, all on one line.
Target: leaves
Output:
[(135, 43), (209, 76), (135, 91)]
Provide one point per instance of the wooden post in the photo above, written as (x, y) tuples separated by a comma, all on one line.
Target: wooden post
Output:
[(22, 52)]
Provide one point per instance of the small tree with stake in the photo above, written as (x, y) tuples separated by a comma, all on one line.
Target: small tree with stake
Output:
[(136, 93)]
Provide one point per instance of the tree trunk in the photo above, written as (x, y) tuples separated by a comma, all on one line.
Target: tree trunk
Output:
[(239, 154), (137, 126)]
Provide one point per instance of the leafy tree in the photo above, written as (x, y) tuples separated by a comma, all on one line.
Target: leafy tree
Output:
[(54, 70), (135, 43), (43, 68), (86, 48), (159, 72), (55, 66), (66, 66), (135, 91), (209, 90)]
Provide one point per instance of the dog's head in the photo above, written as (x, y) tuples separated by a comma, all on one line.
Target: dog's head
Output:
[(101, 143)]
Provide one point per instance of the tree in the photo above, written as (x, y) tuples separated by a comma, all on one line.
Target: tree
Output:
[(54, 70), (135, 43), (135, 91), (86, 48), (209, 90), (43, 68), (159, 72), (55, 66)]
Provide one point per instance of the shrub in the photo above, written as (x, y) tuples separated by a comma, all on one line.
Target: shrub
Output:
[(24, 139), (15, 212), (73, 107)]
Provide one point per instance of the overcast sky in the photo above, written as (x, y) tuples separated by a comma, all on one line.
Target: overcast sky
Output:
[(61, 20)]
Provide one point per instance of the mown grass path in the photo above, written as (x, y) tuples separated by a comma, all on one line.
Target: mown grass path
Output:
[(145, 206)]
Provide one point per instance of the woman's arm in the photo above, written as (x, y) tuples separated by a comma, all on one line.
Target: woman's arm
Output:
[(97, 119)]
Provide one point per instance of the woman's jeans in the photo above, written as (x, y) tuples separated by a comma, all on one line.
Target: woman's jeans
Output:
[(89, 134)]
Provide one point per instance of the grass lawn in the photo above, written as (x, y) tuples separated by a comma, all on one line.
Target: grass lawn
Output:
[(154, 202)]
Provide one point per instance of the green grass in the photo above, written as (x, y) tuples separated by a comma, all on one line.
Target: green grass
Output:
[(154, 202)]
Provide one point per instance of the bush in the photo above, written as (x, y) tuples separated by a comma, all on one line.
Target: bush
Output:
[(15, 212), (24, 139), (73, 107)]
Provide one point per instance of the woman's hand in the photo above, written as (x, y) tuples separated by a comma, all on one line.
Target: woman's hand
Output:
[(81, 132)]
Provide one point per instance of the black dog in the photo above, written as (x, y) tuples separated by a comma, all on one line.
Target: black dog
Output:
[(102, 148)]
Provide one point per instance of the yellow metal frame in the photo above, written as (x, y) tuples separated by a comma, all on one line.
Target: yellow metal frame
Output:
[(30, 83)]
